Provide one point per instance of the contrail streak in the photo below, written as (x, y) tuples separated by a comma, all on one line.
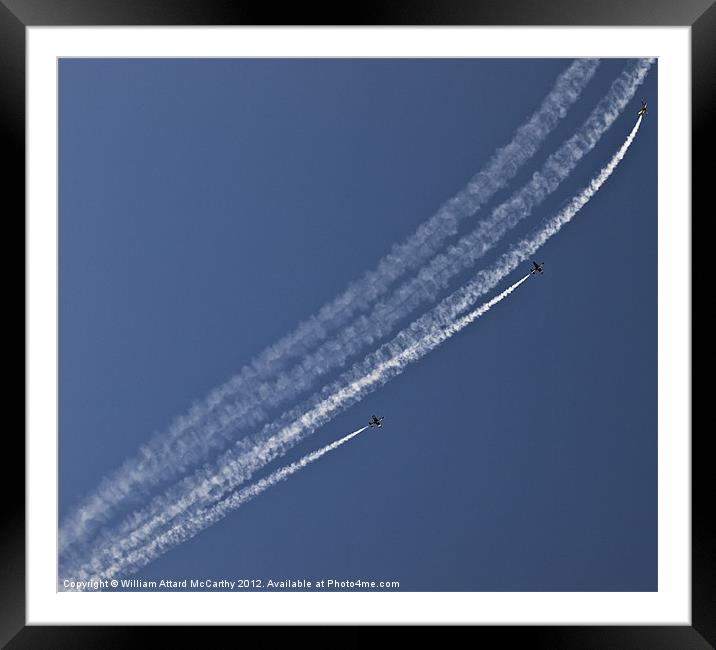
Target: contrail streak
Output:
[(186, 528), (237, 465), (191, 437), (182, 532)]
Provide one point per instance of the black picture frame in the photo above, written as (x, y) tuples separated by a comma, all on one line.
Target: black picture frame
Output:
[(17, 15)]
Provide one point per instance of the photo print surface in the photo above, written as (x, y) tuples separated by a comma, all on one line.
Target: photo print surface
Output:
[(357, 324)]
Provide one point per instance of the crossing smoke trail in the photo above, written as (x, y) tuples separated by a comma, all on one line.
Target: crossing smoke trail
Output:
[(187, 528), (191, 437), (195, 493)]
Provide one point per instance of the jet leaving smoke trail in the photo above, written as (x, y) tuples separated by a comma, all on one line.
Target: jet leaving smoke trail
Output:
[(182, 533), (188, 527), (237, 466), (190, 437)]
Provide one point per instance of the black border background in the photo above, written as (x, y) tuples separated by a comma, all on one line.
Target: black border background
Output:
[(16, 15)]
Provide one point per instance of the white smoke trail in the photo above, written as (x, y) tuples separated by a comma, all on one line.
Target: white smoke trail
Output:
[(187, 528), (191, 437), (181, 533), (238, 465)]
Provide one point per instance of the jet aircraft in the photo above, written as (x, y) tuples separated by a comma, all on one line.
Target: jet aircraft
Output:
[(376, 422), (642, 110), (537, 268)]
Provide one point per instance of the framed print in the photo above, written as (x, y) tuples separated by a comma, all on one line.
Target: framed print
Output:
[(378, 321)]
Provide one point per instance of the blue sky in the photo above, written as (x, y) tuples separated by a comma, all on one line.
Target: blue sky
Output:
[(208, 206)]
